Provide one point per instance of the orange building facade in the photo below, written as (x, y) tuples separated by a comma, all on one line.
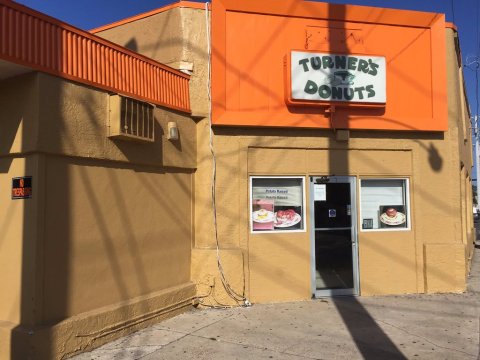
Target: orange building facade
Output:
[(222, 155)]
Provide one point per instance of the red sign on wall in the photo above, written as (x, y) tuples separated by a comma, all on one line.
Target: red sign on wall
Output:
[(22, 187)]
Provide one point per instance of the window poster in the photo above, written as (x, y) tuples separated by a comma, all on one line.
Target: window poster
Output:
[(392, 216), (277, 204), (320, 192), (384, 204)]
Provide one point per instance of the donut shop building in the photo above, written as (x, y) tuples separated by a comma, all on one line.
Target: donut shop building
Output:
[(259, 151), (343, 153)]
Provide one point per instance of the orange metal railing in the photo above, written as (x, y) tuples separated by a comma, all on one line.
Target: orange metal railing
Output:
[(33, 39)]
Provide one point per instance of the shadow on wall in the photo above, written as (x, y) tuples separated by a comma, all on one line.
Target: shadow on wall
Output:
[(434, 158), (432, 153), (97, 246), (154, 50), (477, 233), (134, 150), (361, 325), (132, 45), (5, 165), (17, 117), (370, 339)]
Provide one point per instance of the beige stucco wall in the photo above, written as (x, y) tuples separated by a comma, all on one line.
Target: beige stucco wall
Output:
[(276, 267), (127, 194), (431, 257), (104, 245), (18, 117), (19, 102), (74, 120), (177, 38), (390, 262), (130, 249), (15, 234), (459, 110)]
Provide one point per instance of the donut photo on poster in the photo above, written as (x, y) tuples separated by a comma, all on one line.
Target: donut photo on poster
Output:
[(392, 216)]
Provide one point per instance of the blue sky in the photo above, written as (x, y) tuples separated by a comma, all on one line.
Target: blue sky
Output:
[(88, 14)]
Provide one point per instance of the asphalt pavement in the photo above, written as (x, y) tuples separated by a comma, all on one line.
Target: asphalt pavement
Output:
[(440, 326)]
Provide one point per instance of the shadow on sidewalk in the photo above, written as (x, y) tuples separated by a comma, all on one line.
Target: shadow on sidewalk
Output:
[(370, 339)]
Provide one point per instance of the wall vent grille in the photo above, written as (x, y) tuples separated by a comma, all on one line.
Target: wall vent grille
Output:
[(131, 119)]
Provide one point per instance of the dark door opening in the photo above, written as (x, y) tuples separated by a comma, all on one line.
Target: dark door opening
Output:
[(334, 252)]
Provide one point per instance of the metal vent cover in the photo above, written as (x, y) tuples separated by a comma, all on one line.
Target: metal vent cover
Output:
[(131, 119)]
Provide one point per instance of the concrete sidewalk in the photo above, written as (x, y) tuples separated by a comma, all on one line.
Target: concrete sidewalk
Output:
[(389, 327)]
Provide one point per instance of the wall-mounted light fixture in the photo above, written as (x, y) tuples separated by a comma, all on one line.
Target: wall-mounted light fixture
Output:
[(172, 131)]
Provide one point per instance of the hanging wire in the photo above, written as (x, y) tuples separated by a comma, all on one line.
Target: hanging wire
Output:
[(240, 299)]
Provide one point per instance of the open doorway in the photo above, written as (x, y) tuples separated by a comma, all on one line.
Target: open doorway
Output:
[(334, 236)]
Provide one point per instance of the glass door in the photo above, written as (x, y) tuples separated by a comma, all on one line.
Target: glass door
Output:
[(334, 236)]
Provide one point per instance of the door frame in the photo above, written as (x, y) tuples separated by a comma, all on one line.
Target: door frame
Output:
[(352, 180)]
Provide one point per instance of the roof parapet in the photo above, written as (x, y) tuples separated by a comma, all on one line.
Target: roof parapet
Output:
[(178, 4), (35, 40)]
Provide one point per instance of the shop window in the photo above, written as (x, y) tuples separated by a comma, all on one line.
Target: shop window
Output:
[(277, 204), (384, 204)]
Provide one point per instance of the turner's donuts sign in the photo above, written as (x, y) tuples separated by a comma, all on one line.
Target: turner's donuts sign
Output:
[(337, 77)]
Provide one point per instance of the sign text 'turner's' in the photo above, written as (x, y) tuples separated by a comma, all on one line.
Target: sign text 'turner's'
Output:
[(337, 77)]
